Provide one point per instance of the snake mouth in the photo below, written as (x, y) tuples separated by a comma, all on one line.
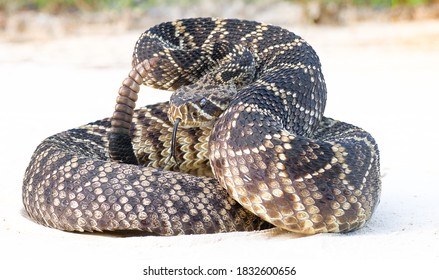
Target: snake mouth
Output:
[(191, 115), (174, 139)]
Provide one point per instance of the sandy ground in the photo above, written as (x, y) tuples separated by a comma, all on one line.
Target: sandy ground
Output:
[(380, 76)]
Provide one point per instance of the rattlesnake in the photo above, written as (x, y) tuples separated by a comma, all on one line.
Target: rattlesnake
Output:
[(250, 98)]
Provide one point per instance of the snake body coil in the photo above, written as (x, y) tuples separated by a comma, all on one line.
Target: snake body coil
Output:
[(258, 95)]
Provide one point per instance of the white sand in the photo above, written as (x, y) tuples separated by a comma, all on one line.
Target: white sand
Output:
[(380, 76)]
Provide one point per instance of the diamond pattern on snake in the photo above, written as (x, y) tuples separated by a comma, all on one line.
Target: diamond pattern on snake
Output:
[(242, 145)]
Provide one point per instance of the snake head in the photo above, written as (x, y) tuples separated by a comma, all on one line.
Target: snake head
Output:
[(200, 105)]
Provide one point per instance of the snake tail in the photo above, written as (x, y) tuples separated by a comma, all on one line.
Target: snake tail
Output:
[(121, 149)]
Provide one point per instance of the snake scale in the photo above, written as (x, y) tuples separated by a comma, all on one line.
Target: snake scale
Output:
[(242, 144)]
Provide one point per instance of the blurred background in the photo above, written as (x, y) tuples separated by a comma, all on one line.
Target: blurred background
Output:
[(36, 19)]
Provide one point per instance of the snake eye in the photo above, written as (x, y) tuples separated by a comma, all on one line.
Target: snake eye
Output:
[(203, 102)]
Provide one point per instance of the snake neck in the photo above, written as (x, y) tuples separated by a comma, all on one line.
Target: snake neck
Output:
[(152, 143)]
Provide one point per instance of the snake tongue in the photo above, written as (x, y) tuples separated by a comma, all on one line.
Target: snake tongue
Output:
[(174, 139)]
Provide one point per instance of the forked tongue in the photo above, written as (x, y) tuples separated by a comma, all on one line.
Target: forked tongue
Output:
[(174, 140)]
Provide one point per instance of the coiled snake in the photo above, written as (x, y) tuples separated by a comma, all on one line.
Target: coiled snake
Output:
[(252, 150)]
